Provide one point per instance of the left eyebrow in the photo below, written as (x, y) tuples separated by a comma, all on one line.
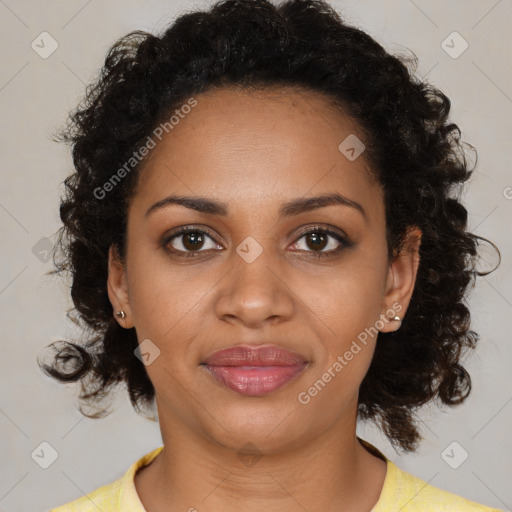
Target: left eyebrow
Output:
[(288, 209), (301, 205)]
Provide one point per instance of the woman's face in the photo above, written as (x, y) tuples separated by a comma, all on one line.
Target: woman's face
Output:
[(251, 274)]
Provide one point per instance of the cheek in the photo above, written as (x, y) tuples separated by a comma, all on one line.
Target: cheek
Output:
[(163, 297), (346, 311), (336, 385), (349, 297), (348, 315)]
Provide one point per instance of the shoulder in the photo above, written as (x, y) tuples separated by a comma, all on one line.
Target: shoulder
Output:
[(105, 498), (117, 496), (406, 492)]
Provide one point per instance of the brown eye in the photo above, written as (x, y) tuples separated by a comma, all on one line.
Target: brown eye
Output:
[(193, 241), (189, 241), (318, 239)]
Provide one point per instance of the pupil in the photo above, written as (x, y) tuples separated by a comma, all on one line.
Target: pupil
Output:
[(317, 238), (195, 237)]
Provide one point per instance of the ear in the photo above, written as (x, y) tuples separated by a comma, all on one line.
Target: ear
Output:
[(118, 288), (400, 281)]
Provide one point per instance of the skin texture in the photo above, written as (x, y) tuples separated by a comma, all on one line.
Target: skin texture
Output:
[(255, 151)]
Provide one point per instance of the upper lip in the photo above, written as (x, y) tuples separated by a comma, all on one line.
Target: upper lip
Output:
[(262, 355)]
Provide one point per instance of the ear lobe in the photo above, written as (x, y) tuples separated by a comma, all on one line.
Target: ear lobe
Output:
[(402, 278), (118, 288)]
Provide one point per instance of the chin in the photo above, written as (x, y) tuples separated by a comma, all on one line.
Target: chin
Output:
[(270, 428)]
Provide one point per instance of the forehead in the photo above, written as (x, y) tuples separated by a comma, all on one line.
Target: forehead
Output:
[(254, 145)]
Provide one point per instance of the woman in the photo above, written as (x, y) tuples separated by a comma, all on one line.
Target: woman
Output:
[(262, 234)]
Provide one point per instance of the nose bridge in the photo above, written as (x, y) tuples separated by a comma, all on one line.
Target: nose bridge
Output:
[(254, 269), (255, 288)]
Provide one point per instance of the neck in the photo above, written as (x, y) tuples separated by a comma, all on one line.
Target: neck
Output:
[(332, 472)]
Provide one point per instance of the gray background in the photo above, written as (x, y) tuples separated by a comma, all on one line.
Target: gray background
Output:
[(35, 97)]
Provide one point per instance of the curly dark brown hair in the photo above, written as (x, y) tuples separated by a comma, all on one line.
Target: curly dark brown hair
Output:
[(411, 147)]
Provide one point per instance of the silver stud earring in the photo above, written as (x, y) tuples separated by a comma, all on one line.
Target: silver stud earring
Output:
[(398, 319), (122, 314)]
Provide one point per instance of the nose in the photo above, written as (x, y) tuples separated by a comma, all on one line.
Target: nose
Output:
[(255, 292)]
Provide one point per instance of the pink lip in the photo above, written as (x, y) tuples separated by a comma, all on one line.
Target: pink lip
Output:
[(255, 371)]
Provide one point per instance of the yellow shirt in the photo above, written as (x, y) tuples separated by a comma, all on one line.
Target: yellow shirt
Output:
[(401, 492)]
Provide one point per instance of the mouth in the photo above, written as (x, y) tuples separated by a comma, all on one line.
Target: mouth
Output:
[(255, 371)]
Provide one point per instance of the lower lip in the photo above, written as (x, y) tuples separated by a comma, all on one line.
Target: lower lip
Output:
[(254, 380)]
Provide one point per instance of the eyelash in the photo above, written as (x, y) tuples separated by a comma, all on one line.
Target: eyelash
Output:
[(344, 242)]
